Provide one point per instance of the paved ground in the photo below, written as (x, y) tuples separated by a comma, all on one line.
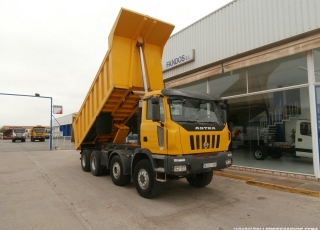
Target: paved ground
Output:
[(49, 190)]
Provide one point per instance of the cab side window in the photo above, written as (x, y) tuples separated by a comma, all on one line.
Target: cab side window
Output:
[(305, 129)]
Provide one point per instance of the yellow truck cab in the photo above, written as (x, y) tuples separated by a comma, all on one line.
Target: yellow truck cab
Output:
[(38, 133), (181, 134)]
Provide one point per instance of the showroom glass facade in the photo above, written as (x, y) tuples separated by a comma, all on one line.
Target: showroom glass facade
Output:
[(268, 112)]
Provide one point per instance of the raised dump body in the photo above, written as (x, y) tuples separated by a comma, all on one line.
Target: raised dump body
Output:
[(112, 99)]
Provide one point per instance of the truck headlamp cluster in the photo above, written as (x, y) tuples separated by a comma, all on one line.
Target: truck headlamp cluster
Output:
[(179, 168), (228, 162)]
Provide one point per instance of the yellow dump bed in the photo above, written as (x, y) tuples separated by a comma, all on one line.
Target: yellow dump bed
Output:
[(110, 102)]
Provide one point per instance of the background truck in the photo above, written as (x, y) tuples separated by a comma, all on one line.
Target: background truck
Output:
[(181, 134), (7, 134), (38, 133), (300, 145), (19, 134)]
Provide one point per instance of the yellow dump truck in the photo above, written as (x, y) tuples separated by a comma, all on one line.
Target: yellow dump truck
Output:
[(38, 133), (181, 134)]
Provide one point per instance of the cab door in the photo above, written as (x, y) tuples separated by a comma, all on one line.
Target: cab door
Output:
[(303, 139), (153, 133)]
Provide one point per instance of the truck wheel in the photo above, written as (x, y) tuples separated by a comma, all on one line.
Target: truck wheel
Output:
[(144, 179), (85, 160), (116, 171), (276, 155), (13, 140), (95, 163), (200, 180), (259, 154), (23, 140), (32, 140)]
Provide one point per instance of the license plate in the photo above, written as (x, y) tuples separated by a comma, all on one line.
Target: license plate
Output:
[(209, 165)]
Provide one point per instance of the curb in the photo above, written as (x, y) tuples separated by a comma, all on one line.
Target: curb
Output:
[(219, 173), (253, 181), (284, 188)]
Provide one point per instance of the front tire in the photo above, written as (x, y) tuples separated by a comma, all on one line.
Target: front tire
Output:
[(200, 180), (259, 154), (85, 160), (116, 171), (144, 179), (95, 163)]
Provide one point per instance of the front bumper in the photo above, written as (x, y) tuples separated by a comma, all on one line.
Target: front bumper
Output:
[(198, 163)]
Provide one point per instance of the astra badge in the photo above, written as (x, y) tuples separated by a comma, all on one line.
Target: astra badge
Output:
[(206, 145)]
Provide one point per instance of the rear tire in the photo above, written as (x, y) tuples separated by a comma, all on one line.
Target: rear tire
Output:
[(144, 179), (116, 171), (85, 160), (200, 180), (95, 163), (276, 155)]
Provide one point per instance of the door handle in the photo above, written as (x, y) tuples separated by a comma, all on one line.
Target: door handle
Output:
[(299, 139)]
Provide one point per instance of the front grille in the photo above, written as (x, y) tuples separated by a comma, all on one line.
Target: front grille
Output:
[(204, 142)]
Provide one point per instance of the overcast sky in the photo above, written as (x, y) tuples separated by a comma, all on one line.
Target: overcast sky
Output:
[(55, 48)]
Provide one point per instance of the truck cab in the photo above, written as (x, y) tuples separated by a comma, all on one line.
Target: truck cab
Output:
[(38, 133), (303, 139), (19, 134)]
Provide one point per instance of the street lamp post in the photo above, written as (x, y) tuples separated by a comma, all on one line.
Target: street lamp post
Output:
[(37, 95)]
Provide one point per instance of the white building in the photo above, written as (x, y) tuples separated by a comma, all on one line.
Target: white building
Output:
[(263, 58)]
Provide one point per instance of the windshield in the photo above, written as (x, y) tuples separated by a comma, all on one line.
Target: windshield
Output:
[(19, 130), (39, 130), (195, 110)]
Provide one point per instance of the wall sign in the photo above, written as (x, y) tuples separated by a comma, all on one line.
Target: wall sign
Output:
[(179, 60)]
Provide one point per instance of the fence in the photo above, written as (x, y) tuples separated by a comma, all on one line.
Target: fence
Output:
[(62, 142)]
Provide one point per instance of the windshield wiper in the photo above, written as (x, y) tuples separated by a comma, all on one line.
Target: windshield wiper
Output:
[(189, 121), (211, 122)]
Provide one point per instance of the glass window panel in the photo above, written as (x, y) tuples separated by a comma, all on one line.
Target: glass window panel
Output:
[(259, 122), (228, 84), (316, 54), (283, 72)]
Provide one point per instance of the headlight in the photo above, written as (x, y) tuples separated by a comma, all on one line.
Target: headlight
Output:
[(228, 162), (179, 168)]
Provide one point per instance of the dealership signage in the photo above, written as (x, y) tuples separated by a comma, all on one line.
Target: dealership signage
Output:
[(180, 59), (57, 109)]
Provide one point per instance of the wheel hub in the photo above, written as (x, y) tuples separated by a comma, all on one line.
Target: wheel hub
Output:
[(143, 179), (116, 170), (258, 154)]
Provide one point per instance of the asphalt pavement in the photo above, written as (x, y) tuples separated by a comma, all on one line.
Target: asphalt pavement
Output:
[(43, 189)]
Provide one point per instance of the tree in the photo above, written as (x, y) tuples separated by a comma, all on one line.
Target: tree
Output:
[(2, 129)]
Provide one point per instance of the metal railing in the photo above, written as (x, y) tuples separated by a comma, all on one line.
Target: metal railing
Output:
[(63, 142), (279, 115)]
